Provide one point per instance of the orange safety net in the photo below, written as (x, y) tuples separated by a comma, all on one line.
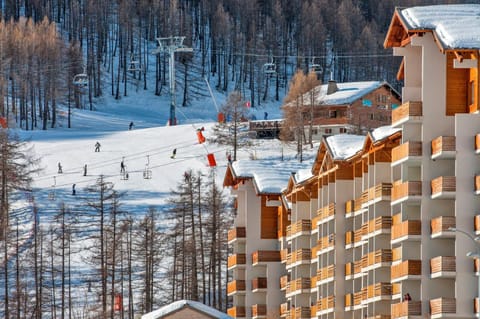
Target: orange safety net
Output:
[(211, 160), (221, 117), (201, 138), (118, 302), (3, 122)]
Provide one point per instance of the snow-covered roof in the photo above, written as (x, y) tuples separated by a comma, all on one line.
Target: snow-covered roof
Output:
[(271, 176), (177, 305), (456, 26), (347, 93), (344, 146), (383, 132)]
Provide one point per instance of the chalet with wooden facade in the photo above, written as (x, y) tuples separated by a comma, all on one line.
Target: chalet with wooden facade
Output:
[(384, 225)]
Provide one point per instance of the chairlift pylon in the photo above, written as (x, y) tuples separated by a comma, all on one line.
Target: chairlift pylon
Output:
[(81, 79), (51, 194), (147, 173)]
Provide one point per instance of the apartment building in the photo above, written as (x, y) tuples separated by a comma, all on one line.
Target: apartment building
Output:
[(382, 226)]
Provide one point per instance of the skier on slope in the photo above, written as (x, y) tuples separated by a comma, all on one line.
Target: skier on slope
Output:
[(174, 153)]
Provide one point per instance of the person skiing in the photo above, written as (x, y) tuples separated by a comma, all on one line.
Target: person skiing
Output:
[(122, 167), (174, 153), (85, 170), (74, 192), (97, 147), (130, 126), (60, 171)]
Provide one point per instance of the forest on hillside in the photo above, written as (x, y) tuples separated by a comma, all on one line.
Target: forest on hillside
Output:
[(45, 44)]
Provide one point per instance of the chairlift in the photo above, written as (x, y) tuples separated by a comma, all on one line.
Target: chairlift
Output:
[(147, 172), (134, 65), (81, 79), (270, 67), (315, 67), (124, 175), (51, 195)]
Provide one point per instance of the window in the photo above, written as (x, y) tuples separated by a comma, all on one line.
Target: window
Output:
[(333, 114), (343, 130), (328, 131), (372, 116)]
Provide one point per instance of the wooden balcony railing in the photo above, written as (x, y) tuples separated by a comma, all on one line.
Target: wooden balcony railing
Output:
[(298, 256), (405, 189), (476, 305), (357, 235), (477, 184), (284, 309), (357, 266), (378, 257), (443, 306), (396, 289), (326, 303), (358, 297), (236, 259), (237, 233), (349, 237), (348, 300), (299, 284), (377, 191), (313, 311), (259, 311), (443, 144), (443, 184), (357, 204), (477, 143), (348, 269), (315, 221), (349, 206), (283, 282), (374, 225), (326, 241), (406, 111), (406, 309), (265, 256), (236, 286), (442, 264), (476, 223), (406, 228), (406, 150), (326, 211), (283, 255), (236, 312), (259, 283), (406, 268), (326, 272), (300, 313), (396, 253), (379, 290), (313, 282), (441, 224), (299, 227)]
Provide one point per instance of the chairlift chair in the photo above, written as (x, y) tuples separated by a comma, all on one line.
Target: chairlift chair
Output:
[(147, 172), (51, 194), (269, 68), (134, 65), (81, 79), (315, 67)]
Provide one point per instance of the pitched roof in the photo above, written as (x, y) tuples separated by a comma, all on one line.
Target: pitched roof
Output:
[(180, 304)]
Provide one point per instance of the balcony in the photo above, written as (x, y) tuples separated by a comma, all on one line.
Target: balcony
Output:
[(476, 223), (300, 313), (357, 298), (236, 260), (326, 213), (477, 184), (477, 144), (237, 234), (236, 287), (264, 256), (299, 257), (402, 191), (236, 312), (406, 270), (406, 309), (442, 307), (325, 305), (348, 271), (357, 269), (348, 302), (259, 311), (377, 226), (443, 147), (283, 282), (259, 284), (376, 193), (409, 152), (298, 286), (377, 259), (283, 255), (406, 230), (377, 292), (443, 267), (410, 112), (325, 274), (397, 254), (300, 228), (443, 187), (439, 227), (349, 207), (284, 309), (326, 243)]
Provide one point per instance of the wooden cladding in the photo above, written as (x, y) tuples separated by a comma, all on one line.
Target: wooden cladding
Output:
[(284, 281), (377, 257), (326, 303), (442, 264), (405, 189), (326, 272), (299, 313), (326, 211), (407, 110), (378, 290), (237, 233), (259, 283), (406, 309), (476, 223), (235, 286), (443, 184), (374, 225), (236, 312), (259, 311), (443, 144), (458, 91), (406, 150), (406, 228), (477, 143), (441, 224), (299, 256), (265, 256), (477, 183), (376, 192), (299, 227), (406, 268), (269, 221), (442, 306), (299, 285), (236, 259)]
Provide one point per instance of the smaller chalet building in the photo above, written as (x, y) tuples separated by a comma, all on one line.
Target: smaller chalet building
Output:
[(186, 309), (352, 107)]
